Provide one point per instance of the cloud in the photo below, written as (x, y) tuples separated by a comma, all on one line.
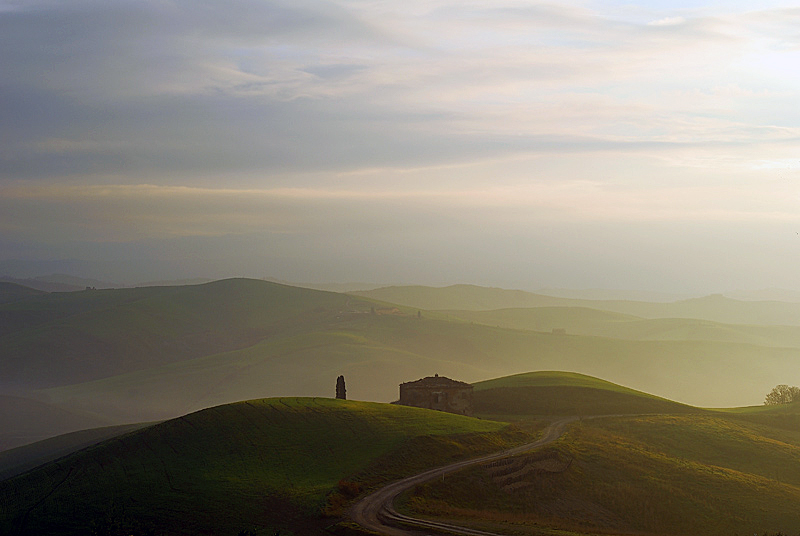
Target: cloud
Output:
[(311, 118), (120, 213), (149, 88), (667, 21)]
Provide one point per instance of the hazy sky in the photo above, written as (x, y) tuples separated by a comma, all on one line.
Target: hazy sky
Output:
[(647, 145)]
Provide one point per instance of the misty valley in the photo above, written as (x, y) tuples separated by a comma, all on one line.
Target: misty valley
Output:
[(399, 268), (249, 407)]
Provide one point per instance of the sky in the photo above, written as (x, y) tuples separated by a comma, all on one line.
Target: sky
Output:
[(582, 144)]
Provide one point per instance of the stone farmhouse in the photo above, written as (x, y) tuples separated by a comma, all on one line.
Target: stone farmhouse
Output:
[(437, 392)]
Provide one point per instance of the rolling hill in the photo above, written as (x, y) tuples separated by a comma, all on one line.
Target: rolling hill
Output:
[(293, 464), (656, 475), (593, 322), (716, 308), (145, 354), (681, 471), (564, 393), (256, 465), (376, 353), (12, 292), (80, 336), (24, 421), (19, 460)]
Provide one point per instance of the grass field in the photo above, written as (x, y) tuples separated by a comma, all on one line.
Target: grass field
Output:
[(657, 475), (19, 460), (564, 393), (261, 464), (293, 464)]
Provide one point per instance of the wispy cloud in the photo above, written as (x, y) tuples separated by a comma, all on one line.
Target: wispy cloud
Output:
[(311, 116)]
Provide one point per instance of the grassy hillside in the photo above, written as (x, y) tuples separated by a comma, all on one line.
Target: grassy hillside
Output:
[(256, 464), (782, 416), (716, 308), (146, 354), (19, 460), (584, 321), (24, 421), (563, 393), (378, 352), (67, 338), (657, 475), (11, 292)]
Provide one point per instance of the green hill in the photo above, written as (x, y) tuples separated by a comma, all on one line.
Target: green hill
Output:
[(716, 308), (19, 460), (564, 393), (259, 464), (667, 475)]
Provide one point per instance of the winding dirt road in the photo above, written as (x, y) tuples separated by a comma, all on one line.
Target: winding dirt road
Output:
[(376, 511)]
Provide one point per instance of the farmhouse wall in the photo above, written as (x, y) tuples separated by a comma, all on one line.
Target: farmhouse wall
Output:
[(439, 393)]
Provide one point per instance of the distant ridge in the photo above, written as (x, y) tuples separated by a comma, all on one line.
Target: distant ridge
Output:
[(60, 283), (23, 421), (43, 286), (767, 294), (12, 292), (598, 323), (612, 295), (174, 282), (151, 353), (715, 307), (468, 297)]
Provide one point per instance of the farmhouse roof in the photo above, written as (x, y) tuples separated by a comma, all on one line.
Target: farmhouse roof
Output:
[(438, 382)]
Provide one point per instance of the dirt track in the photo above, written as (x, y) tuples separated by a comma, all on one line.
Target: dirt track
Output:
[(376, 511)]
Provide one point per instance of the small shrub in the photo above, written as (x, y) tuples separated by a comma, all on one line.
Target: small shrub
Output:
[(349, 489)]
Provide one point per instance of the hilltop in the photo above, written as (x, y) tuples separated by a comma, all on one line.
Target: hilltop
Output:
[(681, 471), (75, 337), (260, 464), (294, 464), (564, 393), (666, 475)]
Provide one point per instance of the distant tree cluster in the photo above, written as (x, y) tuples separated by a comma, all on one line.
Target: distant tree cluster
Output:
[(782, 394)]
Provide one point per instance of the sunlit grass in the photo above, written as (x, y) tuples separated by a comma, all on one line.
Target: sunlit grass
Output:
[(220, 468), (659, 475)]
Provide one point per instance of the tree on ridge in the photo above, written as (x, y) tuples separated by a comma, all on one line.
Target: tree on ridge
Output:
[(782, 394)]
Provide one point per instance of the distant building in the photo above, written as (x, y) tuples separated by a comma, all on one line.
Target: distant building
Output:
[(437, 392)]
